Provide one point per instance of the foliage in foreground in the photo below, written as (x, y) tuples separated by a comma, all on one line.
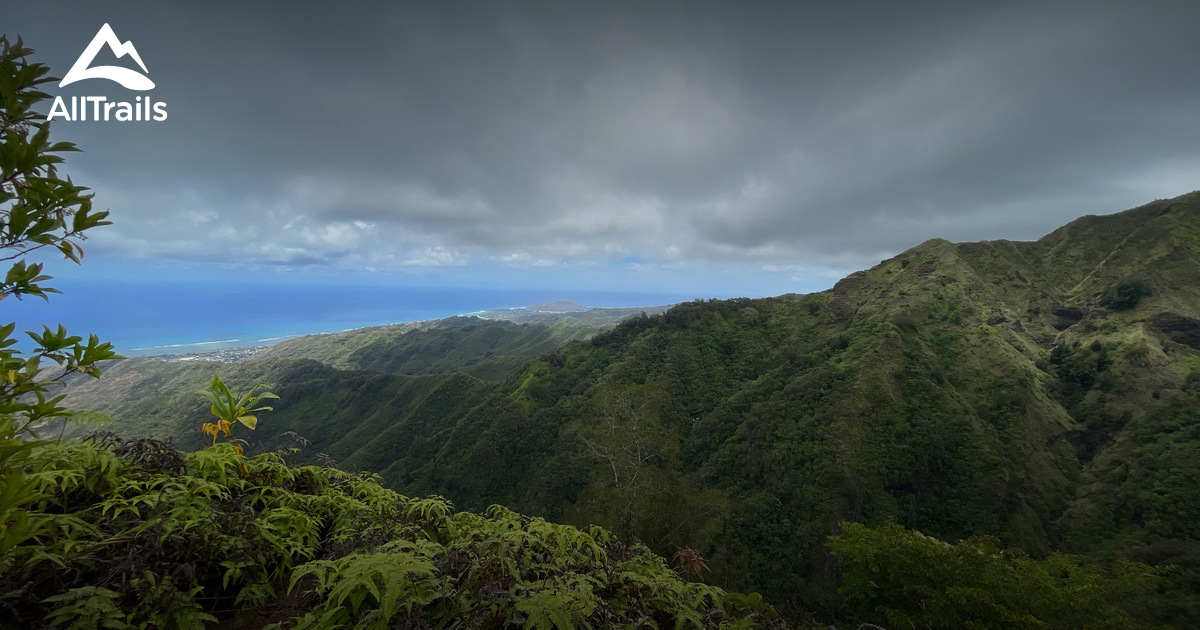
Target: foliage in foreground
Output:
[(39, 210), (130, 533)]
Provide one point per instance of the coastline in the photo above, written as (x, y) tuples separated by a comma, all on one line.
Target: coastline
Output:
[(235, 350)]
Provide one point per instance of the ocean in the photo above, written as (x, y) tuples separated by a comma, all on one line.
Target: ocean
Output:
[(160, 317)]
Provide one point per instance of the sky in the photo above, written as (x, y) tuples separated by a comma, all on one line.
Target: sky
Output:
[(662, 148)]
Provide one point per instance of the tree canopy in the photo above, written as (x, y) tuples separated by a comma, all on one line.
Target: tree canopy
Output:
[(40, 212)]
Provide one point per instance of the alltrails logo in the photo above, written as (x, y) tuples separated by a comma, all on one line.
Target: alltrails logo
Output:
[(142, 108)]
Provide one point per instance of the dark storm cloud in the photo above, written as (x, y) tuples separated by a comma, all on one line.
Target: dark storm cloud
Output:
[(409, 135)]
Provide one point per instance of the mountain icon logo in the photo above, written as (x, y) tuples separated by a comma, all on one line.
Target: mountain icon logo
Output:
[(130, 79)]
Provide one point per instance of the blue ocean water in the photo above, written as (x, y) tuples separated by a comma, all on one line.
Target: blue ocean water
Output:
[(161, 317)]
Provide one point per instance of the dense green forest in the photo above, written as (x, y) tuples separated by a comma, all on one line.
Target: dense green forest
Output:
[(126, 534), (130, 533), (1042, 393)]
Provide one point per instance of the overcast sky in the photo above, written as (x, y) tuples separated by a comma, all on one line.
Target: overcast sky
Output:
[(717, 148)]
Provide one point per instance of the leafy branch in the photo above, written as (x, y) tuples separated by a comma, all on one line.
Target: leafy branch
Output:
[(231, 409)]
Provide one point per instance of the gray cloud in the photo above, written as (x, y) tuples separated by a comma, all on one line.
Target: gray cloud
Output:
[(404, 136)]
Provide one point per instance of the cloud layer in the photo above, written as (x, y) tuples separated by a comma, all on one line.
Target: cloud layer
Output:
[(777, 136)]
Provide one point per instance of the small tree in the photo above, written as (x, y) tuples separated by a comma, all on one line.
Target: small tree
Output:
[(38, 211), (230, 409), (637, 492)]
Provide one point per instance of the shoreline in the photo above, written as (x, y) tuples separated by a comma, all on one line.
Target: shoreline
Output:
[(237, 350)]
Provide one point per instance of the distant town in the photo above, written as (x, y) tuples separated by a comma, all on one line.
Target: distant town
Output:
[(228, 355)]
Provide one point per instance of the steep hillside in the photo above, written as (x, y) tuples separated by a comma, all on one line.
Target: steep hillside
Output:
[(338, 411), (487, 350), (489, 346), (1041, 392), (1045, 393), (346, 392)]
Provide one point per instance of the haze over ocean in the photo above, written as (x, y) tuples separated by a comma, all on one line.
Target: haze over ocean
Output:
[(161, 317)]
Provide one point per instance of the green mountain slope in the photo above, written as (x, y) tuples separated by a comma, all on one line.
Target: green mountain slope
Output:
[(1046, 393), (347, 392), (1041, 392), (337, 411), (488, 349)]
